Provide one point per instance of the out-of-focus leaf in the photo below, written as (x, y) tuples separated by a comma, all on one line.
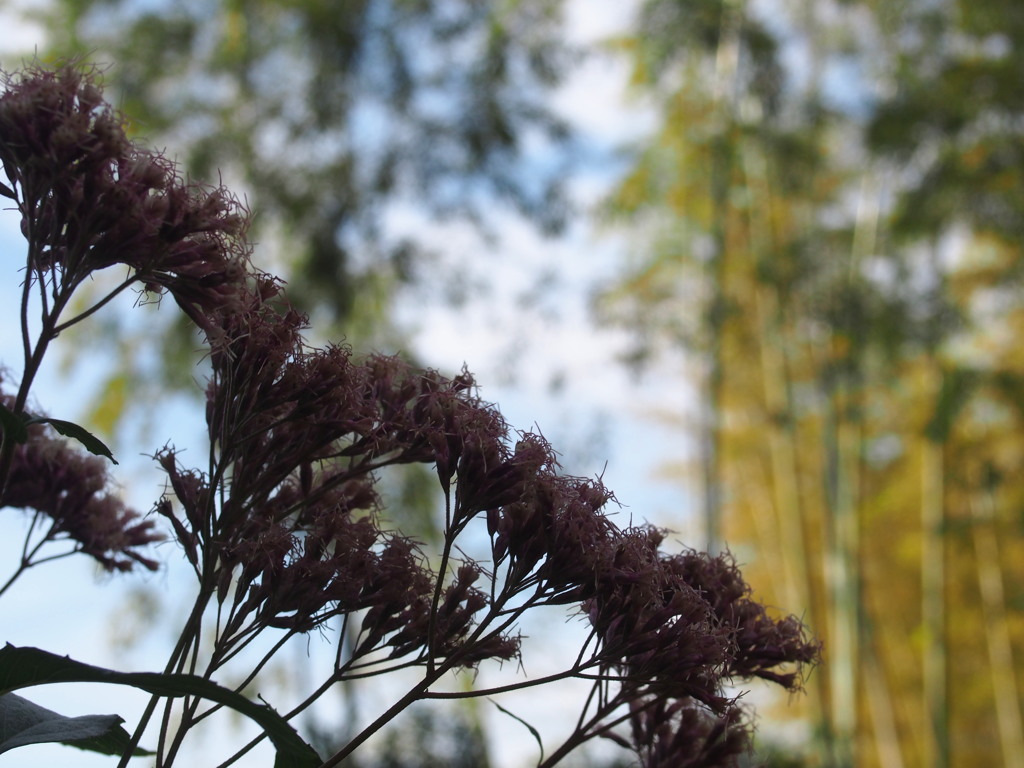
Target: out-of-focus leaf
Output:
[(109, 405)]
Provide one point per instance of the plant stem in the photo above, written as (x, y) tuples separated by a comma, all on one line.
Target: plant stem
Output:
[(414, 694), (190, 629), (582, 734)]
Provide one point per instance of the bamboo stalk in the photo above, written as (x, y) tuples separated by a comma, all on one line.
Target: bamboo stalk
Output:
[(782, 449), (879, 699), (997, 631), (893, 717), (844, 582), (726, 65), (933, 604)]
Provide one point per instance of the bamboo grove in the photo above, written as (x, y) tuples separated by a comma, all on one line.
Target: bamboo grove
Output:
[(838, 186)]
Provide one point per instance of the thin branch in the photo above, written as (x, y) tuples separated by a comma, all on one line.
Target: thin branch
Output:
[(97, 306)]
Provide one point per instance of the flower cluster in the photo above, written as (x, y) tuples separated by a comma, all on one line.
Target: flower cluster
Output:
[(299, 434), (71, 488), (289, 521), (672, 629), (672, 734), (89, 198), (283, 527)]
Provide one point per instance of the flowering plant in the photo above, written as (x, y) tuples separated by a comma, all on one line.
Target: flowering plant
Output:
[(283, 528)]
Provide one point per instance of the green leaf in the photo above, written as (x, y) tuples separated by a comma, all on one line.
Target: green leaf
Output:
[(77, 432), (25, 667), (12, 425), (23, 722)]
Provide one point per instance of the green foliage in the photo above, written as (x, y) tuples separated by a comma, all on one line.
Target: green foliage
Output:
[(843, 259)]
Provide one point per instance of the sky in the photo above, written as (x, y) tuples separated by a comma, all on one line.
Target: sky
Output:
[(603, 418)]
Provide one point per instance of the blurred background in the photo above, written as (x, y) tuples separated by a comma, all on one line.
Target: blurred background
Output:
[(757, 263)]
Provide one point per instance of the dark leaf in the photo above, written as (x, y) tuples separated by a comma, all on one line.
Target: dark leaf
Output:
[(25, 667), (77, 432), (13, 426), (22, 723)]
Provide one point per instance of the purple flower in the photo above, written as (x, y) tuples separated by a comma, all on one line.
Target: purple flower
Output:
[(89, 199), (676, 734), (71, 487)]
